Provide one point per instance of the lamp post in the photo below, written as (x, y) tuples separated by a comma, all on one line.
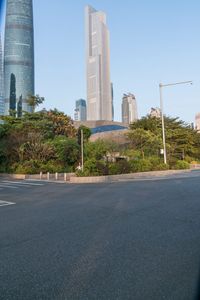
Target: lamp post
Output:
[(162, 113), (82, 151)]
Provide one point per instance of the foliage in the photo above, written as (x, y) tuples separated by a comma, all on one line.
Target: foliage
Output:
[(120, 167), (35, 101), (29, 143), (47, 141), (182, 165), (181, 139), (86, 134), (67, 149)]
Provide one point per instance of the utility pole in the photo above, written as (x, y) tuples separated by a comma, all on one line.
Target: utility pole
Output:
[(162, 113), (82, 152)]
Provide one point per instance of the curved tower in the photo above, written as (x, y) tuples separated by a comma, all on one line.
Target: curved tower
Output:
[(1, 80), (19, 55)]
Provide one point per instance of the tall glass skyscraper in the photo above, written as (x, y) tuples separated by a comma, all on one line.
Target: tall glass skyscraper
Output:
[(18, 55), (80, 110), (129, 109), (1, 80), (99, 97)]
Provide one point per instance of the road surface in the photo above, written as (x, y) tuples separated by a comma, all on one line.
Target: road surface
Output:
[(127, 240)]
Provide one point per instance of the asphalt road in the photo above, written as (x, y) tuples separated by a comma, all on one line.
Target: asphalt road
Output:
[(128, 240)]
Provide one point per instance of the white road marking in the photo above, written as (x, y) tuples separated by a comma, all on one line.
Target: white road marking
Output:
[(22, 183), (8, 186), (5, 203)]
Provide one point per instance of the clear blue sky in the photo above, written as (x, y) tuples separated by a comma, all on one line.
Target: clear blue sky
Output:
[(151, 42)]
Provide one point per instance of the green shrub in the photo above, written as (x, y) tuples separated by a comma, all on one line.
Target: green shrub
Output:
[(157, 164), (27, 167), (90, 168), (182, 165), (143, 165), (119, 167), (35, 167)]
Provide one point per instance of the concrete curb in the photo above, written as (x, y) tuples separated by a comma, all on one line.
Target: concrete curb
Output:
[(115, 178), (13, 176)]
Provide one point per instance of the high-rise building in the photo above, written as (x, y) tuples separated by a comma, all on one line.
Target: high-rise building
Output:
[(129, 109), (112, 97), (18, 55), (155, 112), (99, 98), (80, 113), (1, 81), (197, 122)]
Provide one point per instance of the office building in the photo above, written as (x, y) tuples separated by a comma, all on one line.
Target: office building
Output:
[(99, 98), (1, 80), (18, 56), (129, 109), (80, 113), (197, 122), (155, 112)]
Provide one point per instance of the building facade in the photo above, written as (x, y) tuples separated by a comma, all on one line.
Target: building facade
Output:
[(129, 109), (80, 113), (197, 122), (99, 94), (155, 112), (1, 80), (19, 56)]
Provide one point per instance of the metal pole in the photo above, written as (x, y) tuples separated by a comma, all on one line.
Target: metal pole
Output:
[(82, 158), (162, 112), (163, 124)]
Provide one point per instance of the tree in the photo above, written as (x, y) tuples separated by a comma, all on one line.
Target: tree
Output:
[(67, 149), (35, 101), (145, 141), (86, 134), (181, 139)]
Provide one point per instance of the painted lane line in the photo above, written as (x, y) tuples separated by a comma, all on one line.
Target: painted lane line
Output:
[(22, 183), (5, 203), (8, 186)]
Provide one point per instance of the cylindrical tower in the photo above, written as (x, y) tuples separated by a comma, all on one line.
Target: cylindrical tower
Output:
[(19, 53), (1, 79)]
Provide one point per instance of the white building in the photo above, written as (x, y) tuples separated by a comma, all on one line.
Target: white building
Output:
[(155, 112), (99, 96), (197, 122), (129, 109)]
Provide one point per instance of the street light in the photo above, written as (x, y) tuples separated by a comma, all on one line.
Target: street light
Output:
[(162, 113), (82, 151)]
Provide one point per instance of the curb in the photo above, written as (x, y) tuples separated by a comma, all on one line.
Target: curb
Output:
[(124, 177)]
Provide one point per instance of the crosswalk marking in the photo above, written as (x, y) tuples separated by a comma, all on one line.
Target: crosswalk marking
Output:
[(6, 203), (22, 183), (12, 184), (8, 186)]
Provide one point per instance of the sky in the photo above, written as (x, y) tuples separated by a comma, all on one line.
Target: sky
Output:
[(151, 42)]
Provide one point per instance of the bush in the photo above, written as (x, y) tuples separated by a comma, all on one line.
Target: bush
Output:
[(143, 165), (91, 168), (182, 165), (27, 167), (35, 167), (120, 167), (157, 164)]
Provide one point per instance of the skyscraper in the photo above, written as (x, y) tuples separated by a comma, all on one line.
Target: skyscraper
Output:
[(155, 112), (18, 55), (99, 98), (129, 109), (197, 122), (80, 110), (1, 80)]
